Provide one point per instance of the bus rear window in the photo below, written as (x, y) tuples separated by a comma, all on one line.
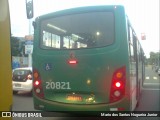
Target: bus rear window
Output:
[(78, 31)]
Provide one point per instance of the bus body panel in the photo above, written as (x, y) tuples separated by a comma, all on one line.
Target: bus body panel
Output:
[(47, 105), (94, 68)]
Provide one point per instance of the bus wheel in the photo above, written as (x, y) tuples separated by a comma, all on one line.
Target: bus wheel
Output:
[(31, 93), (137, 105)]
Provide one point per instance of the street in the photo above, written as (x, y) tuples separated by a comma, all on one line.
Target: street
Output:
[(152, 80), (150, 98)]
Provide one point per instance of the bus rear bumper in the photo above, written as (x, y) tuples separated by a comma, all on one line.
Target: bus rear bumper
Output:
[(46, 105)]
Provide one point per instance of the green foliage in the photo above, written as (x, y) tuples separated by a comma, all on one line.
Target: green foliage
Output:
[(18, 47), (154, 58)]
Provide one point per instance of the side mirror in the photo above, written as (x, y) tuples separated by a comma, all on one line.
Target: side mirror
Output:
[(29, 8)]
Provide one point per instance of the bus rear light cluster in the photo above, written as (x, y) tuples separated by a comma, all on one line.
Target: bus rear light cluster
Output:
[(37, 84), (117, 89)]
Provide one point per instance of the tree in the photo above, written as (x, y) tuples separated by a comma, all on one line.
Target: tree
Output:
[(18, 47), (154, 58)]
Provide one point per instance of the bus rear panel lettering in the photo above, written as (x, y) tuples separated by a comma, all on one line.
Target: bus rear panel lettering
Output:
[(58, 85)]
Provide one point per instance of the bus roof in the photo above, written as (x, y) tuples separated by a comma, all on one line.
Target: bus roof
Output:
[(82, 9)]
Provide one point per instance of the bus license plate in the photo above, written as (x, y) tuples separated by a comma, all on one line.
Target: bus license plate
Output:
[(74, 98)]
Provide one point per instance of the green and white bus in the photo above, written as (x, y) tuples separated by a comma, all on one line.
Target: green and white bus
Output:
[(87, 59)]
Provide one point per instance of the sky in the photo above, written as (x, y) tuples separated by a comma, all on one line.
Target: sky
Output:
[(143, 14)]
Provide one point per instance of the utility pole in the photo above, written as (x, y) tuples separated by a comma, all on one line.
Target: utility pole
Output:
[(29, 45), (30, 53)]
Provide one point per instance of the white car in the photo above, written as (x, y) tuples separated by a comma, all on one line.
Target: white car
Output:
[(22, 79)]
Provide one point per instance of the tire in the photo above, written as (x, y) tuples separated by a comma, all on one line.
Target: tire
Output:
[(139, 95), (31, 93), (15, 92), (137, 105)]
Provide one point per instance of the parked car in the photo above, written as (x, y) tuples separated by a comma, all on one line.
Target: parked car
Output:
[(159, 71), (22, 79)]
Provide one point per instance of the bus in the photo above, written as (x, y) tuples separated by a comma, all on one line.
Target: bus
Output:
[(5, 62), (86, 59)]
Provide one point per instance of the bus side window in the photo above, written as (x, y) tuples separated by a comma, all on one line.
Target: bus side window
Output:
[(135, 46), (50, 40), (131, 45)]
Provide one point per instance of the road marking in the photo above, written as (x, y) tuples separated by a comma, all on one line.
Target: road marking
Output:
[(155, 78), (157, 84), (147, 78), (150, 89)]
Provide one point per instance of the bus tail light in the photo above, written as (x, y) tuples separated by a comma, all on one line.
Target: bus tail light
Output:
[(72, 61), (117, 89), (37, 84), (118, 84)]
